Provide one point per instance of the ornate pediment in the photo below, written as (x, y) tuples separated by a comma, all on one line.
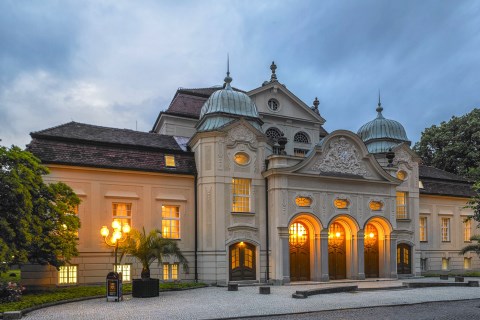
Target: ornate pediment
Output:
[(341, 156), (241, 134)]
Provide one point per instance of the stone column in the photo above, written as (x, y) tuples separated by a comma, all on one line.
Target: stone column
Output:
[(285, 249), (324, 254), (317, 259), (392, 242), (361, 254)]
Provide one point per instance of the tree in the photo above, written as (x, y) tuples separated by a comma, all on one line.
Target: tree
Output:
[(453, 146), (474, 247), (150, 247), (37, 223)]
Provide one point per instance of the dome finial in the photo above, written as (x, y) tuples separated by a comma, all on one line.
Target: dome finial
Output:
[(379, 106), (228, 79), (273, 67)]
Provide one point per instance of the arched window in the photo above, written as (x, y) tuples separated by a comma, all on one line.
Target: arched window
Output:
[(301, 137), (273, 133)]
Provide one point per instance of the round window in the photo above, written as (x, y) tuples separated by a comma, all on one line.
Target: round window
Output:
[(402, 175), (341, 203), (376, 205), (273, 104), (241, 158), (303, 201)]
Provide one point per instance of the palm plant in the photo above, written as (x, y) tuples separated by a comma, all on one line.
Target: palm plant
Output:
[(150, 247), (474, 247)]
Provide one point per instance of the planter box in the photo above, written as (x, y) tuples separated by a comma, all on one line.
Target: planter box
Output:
[(145, 288)]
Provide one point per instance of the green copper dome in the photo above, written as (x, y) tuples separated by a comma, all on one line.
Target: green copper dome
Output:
[(225, 106), (381, 134)]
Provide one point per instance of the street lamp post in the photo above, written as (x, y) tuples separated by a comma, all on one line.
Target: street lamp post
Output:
[(120, 234)]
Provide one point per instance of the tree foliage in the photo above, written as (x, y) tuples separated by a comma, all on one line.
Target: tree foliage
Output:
[(150, 247), (453, 146), (37, 223)]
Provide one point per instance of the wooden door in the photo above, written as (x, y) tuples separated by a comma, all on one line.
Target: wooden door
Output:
[(337, 257), (404, 259), (299, 252), (371, 252), (242, 262)]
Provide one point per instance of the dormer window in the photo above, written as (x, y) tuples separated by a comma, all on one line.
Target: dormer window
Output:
[(301, 137), (169, 161)]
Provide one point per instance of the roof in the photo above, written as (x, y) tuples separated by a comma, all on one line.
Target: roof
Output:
[(440, 182), (79, 144)]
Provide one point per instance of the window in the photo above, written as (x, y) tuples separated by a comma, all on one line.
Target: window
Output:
[(301, 137), (467, 228), (241, 158), (241, 195), (303, 201), (376, 205), (171, 222), (122, 212), (402, 205), (125, 270), (300, 152), (273, 133), (169, 161), (467, 263), (273, 104), (67, 275), (401, 175), (170, 271), (445, 229), (445, 263), (423, 229), (423, 264), (341, 203)]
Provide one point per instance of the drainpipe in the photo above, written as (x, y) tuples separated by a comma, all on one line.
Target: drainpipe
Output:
[(196, 226), (267, 242)]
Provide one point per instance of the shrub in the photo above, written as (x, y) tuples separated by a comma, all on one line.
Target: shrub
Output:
[(10, 292)]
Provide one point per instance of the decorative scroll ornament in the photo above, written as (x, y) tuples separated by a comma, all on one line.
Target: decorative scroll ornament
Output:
[(401, 156), (241, 133), (341, 157)]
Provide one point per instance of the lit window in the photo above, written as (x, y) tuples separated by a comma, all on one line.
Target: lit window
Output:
[(169, 161), (170, 271), (300, 152), (67, 275), (248, 258), (402, 212), (402, 175), (467, 263), (423, 229), (171, 222), (241, 158), (467, 229), (341, 203), (303, 201), (273, 104), (125, 270), (122, 212), (297, 235), (301, 137), (376, 205), (445, 229), (241, 195), (273, 133), (445, 263), (235, 258)]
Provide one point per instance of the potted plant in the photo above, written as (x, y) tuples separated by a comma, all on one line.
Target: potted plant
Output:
[(147, 248)]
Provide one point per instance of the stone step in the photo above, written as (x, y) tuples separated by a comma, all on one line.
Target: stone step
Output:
[(302, 294)]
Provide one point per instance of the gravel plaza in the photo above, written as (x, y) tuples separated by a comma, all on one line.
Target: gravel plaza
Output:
[(218, 303)]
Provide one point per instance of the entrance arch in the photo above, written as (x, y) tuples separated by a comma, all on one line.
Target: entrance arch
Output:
[(337, 252), (242, 262), (404, 259), (371, 252), (299, 241), (377, 248)]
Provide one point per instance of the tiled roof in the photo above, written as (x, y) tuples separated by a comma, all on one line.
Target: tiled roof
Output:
[(439, 182), (80, 144)]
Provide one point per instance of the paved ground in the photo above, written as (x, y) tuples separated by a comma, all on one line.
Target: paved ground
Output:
[(217, 302)]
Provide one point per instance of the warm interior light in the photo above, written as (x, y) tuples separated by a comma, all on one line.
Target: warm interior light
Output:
[(104, 231), (337, 234), (241, 244), (126, 228), (116, 225), (165, 231), (371, 235), (300, 233), (330, 236)]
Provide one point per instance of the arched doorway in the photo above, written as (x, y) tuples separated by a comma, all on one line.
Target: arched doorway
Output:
[(404, 259), (299, 252), (337, 261), (371, 252), (242, 261)]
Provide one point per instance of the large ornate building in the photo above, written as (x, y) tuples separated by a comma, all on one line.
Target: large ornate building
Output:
[(255, 189)]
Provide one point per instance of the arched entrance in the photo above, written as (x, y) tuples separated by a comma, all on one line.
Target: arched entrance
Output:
[(404, 259), (242, 261), (337, 252), (299, 252), (371, 252)]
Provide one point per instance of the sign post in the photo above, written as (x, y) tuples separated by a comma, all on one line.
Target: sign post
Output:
[(114, 287)]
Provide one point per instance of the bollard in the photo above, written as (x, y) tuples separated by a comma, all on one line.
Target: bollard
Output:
[(264, 290), (233, 287)]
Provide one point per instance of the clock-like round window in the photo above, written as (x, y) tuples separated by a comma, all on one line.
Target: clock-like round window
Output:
[(341, 203), (241, 158), (402, 175), (376, 205), (303, 201), (273, 104)]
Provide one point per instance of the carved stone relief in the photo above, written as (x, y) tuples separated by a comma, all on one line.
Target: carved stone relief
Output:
[(284, 202), (241, 133), (220, 154), (401, 156), (341, 157)]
